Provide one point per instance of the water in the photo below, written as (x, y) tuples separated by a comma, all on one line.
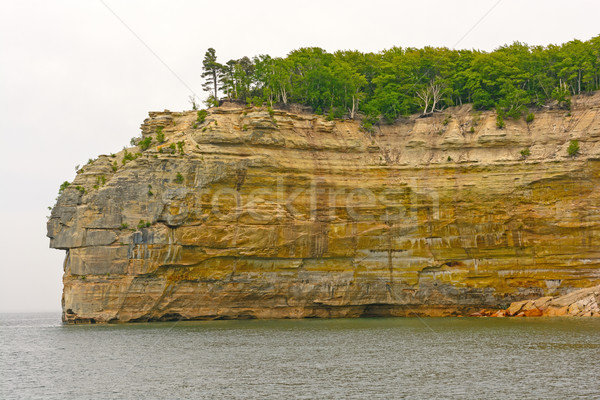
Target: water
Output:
[(454, 358)]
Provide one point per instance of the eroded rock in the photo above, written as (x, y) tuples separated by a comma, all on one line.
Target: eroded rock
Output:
[(252, 214)]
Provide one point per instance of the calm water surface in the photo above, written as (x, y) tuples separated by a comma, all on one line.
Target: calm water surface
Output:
[(452, 358)]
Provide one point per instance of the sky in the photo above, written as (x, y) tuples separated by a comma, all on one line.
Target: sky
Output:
[(77, 78)]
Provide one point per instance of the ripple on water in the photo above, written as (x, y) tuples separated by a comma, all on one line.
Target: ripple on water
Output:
[(374, 358)]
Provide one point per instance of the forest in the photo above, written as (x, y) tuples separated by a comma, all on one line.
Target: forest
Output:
[(402, 81)]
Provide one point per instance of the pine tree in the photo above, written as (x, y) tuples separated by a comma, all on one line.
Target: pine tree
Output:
[(212, 72)]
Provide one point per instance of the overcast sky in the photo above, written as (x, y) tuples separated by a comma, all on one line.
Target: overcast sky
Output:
[(75, 82)]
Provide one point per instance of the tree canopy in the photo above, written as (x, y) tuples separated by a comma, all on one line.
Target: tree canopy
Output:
[(401, 81)]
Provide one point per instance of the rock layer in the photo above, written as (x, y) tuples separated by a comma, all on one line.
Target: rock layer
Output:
[(257, 213), (580, 303)]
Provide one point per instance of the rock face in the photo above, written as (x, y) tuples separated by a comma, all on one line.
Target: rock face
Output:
[(580, 303), (255, 213)]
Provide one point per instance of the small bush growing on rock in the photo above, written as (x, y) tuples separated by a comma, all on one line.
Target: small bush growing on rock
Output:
[(368, 122), (245, 127), (202, 114), (160, 135), (127, 157), (144, 224), (449, 159), (573, 148), (446, 120), (472, 130), (115, 166), (529, 118), (80, 188), (271, 112), (124, 225), (63, 186), (367, 126), (180, 145), (179, 178), (130, 156), (500, 122), (145, 143), (525, 153)]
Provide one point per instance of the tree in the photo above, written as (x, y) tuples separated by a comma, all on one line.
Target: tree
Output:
[(430, 94), (212, 72), (401, 81)]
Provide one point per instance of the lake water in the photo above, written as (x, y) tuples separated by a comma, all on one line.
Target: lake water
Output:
[(454, 358)]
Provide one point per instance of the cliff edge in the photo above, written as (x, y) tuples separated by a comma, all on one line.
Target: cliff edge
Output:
[(250, 212)]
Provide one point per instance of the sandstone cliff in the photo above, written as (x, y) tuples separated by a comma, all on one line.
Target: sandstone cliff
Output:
[(254, 213), (580, 303)]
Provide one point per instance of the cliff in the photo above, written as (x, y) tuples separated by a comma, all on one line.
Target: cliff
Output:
[(257, 213)]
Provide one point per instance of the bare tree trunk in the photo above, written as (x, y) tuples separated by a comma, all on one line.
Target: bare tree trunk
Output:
[(436, 94), (424, 96), (215, 83)]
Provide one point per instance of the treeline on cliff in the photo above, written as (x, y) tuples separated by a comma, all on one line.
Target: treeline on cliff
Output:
[(402, 81)]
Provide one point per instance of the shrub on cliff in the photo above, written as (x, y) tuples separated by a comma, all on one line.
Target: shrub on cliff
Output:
[(529, 118), (573, 149), (144, 224), (160, 135), (500, 122), (63, 186), (145, 143), (202, 114)]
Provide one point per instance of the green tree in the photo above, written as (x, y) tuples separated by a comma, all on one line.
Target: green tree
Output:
[(212, 71), (400, 81)]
